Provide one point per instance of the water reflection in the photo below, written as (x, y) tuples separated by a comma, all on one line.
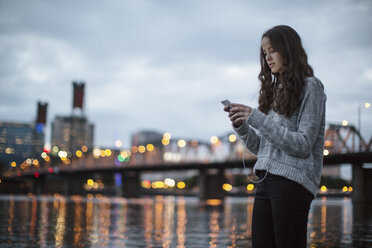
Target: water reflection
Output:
[(98, 221)]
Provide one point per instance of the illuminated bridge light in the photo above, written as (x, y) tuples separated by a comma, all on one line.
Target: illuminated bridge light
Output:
[(323, 189), (102, 153), (328, 143), (367, 104), (84, 148), (62, 154), (141, 149), (232, 138), (90, 182), (181, 185), (325, 152), (96, 152), (108, 152), (35, 162), (118, 143), (146, 184), (181, 143), (121, 158), (124, 154), (134, 149), (167, 136), (350, 189), (250, 187), (214, 140), (345, 123), (13, 164), (165, 142), (157, 185), (9, 150), (78, 153), (170, 182), (55, 149), (227, 187), (345, 189), (44, 155), (150, 147)]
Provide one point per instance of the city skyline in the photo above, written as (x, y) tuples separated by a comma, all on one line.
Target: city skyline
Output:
[(161, 66)]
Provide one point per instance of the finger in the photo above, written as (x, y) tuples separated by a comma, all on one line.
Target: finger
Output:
[(237, 115), (237, 123), (241, 108), (234, 116), (240, 120), (237, 104)]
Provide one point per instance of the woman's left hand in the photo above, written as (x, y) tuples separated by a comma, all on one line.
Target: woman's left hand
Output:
[(239, 113)]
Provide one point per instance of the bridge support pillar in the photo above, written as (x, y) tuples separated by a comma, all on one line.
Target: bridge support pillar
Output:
[(38, 185), (362, 184), (210, 184), (131, 186)]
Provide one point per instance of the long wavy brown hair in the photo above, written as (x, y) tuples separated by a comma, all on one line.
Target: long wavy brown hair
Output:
[(287, 42)]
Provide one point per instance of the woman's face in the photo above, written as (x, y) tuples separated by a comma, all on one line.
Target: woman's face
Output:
[(273, 58)]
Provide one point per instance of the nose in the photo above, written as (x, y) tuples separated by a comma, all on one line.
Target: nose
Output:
[(268, 57)]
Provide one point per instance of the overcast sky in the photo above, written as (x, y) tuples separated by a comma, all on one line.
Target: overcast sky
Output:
[(166, 65)]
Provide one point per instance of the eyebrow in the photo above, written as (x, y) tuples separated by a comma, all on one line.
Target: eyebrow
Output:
[(267, 48)]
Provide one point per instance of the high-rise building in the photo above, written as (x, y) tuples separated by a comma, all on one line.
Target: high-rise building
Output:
[(71, 133), (19, 141)]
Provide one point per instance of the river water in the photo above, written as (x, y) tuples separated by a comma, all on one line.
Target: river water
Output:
[(164, 221)]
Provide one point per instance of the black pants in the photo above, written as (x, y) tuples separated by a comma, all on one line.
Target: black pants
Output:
[(280, 213)]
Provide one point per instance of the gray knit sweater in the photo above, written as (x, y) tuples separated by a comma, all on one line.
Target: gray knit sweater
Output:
[(291, 147)]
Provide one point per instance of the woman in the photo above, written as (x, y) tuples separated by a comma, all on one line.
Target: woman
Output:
[(286, 133)]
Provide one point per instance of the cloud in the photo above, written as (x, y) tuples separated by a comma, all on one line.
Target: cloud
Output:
[(167, 66)]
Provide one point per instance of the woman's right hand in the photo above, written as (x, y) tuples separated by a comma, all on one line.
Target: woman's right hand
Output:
[(238, 114)]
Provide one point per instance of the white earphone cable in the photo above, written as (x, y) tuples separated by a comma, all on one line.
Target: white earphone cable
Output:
[(245, 168)]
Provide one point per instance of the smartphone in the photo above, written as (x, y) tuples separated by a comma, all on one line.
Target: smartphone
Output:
[(227, 103)]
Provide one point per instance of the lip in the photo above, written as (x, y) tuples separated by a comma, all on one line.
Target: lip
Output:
[(271, 65)]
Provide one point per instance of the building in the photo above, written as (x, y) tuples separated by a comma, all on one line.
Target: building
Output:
[(150, 142), (71, 133), (19, 141)]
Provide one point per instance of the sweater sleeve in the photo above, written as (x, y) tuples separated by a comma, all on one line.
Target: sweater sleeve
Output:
[(296, 143), (249, 137)]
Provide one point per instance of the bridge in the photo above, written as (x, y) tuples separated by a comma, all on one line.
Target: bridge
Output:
[(68, 174), (211, 176)]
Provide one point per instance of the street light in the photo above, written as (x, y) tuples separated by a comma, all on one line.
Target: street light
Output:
[(366, 105)]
